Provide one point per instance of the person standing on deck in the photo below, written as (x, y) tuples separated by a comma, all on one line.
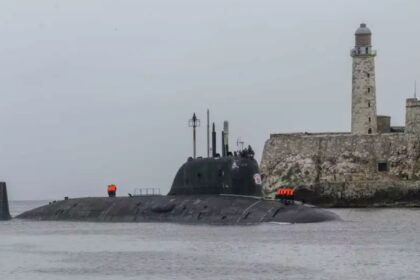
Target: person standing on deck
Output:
[(112, 190)]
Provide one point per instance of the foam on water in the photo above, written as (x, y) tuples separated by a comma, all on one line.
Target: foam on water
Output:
[(279, 223)]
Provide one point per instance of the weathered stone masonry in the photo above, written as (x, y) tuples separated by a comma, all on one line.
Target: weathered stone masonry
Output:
[(342, 166), (375, 164)]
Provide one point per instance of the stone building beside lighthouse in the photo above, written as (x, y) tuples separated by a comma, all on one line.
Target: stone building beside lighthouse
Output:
[(374, 164)]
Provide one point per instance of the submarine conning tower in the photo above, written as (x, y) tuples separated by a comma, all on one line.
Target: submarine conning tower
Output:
[(4, 203), (235, 175)]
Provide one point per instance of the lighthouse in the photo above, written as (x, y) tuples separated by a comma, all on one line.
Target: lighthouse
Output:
[(363, 109)]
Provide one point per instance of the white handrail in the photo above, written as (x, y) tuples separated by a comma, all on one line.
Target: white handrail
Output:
[(146, 191)]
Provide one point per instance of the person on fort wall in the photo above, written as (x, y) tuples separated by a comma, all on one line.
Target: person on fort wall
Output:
[(112, 190)]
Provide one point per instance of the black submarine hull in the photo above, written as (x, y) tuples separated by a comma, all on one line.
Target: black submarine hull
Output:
[(186, 209)]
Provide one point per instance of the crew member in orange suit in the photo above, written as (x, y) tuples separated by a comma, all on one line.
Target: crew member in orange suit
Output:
[(112, 190)]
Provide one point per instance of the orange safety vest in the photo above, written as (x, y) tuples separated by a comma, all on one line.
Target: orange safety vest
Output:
[(112, 188)]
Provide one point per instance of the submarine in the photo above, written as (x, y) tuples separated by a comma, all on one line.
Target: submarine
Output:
[(217, 190), (225, 191)]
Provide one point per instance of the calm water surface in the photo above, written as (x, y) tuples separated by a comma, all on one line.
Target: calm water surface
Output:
[(368, 244)]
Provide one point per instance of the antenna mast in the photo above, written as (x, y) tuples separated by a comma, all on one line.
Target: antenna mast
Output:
[(240, 143), (208, 133), (194, 123)]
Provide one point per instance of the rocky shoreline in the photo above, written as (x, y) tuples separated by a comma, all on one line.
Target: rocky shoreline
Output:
[(391, 197)]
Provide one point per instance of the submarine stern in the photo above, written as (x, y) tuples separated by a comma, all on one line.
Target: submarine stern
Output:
[(4, 203)]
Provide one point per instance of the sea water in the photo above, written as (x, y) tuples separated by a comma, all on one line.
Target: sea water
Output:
[(366, 244)]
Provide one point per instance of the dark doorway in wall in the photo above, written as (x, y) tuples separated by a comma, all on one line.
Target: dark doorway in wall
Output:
[(370, 131), (382, 166)]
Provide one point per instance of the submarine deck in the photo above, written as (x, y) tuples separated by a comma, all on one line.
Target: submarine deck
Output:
[(189, 209)]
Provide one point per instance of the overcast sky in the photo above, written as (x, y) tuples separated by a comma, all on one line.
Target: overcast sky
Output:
[(98, 92)]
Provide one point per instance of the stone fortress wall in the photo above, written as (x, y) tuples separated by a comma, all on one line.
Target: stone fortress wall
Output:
[(375, 164), (344, 169)]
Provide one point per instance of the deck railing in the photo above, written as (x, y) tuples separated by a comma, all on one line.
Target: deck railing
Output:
[(146, 191)]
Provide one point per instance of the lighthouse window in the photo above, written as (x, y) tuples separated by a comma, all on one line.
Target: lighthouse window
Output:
[(370, 119), (368, 104), (367, 50), (368, 89), (368, 75), (370, 131)]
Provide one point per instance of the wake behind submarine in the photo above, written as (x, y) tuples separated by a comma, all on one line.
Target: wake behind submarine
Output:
[(222, 190)]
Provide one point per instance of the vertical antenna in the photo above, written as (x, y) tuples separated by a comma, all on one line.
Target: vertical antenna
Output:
[(194, 123), (223, 144), (208, 133), (213, 138), (226, 136), (240, 143)]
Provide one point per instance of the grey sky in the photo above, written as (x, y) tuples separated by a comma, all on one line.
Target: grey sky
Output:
[(97, 92)]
